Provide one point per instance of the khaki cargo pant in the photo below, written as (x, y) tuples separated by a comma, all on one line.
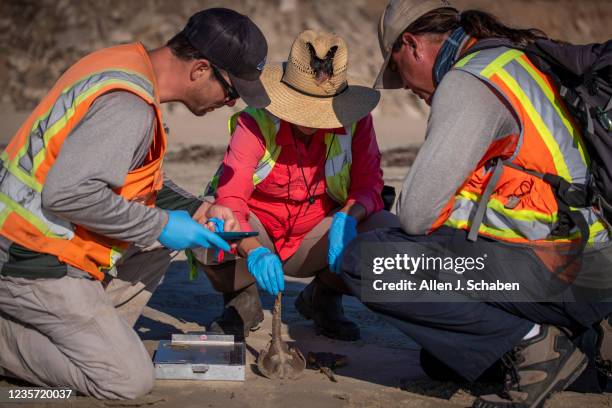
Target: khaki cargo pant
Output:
[(309, 260), (72, 332)]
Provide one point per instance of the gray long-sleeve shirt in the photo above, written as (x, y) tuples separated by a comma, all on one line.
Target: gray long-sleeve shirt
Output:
[(112, 139), (466, 115)]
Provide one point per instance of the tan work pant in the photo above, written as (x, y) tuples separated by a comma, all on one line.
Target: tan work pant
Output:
[(72, 332), (309, 260)]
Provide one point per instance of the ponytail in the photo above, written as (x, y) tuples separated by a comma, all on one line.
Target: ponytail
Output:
[(478, 24)]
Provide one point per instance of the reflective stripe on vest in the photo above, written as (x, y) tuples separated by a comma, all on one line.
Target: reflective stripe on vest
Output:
[(32, 151), (549, 143), (268, 125), (337, 166), (18, 197)]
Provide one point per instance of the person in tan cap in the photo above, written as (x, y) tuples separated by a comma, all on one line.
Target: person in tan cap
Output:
[(304, 173), (472, 196)]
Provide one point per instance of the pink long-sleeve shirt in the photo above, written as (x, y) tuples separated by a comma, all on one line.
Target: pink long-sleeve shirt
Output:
[(280, 201)]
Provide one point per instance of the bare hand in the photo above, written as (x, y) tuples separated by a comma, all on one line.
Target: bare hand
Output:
[(208, 210)]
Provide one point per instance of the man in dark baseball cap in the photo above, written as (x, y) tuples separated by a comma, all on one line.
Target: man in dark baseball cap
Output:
[(117, 219), (233, 43), (227, 47)]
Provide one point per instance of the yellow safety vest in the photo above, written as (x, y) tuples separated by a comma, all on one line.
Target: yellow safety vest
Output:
[(337, 165)]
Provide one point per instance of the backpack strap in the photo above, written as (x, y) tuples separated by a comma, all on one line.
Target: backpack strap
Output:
[(484, 200)]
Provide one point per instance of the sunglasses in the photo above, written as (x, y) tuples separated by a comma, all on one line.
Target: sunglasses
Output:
[(230, 91)]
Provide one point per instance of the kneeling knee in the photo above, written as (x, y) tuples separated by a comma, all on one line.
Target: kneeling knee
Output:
[(140, 380), (137, 379), (142, 384)]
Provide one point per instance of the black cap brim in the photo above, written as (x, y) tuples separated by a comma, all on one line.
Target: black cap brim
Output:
[(252, 92)]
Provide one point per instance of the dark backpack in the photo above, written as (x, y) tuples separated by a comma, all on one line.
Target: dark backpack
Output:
[(583, 74)]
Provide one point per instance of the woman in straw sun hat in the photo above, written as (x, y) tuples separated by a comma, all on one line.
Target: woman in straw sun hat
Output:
[(305, 173)]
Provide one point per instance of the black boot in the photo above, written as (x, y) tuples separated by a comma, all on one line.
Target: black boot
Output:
[(535, 369), (242, 313), (324, 305)]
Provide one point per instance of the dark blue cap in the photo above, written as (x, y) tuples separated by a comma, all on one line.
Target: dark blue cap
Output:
[(232, 42)]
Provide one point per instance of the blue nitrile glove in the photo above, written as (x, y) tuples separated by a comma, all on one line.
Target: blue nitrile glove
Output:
[(342, 231), (218, 223), (267, 269), (182, 232)]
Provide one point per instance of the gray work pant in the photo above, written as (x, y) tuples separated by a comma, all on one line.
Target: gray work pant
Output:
[(72, 332)]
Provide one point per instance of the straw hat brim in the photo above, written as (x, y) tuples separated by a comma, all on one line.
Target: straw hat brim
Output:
[(310, 111)]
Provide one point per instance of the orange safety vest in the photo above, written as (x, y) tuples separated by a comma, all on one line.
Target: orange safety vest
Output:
[(522, 208), (30, 155)]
